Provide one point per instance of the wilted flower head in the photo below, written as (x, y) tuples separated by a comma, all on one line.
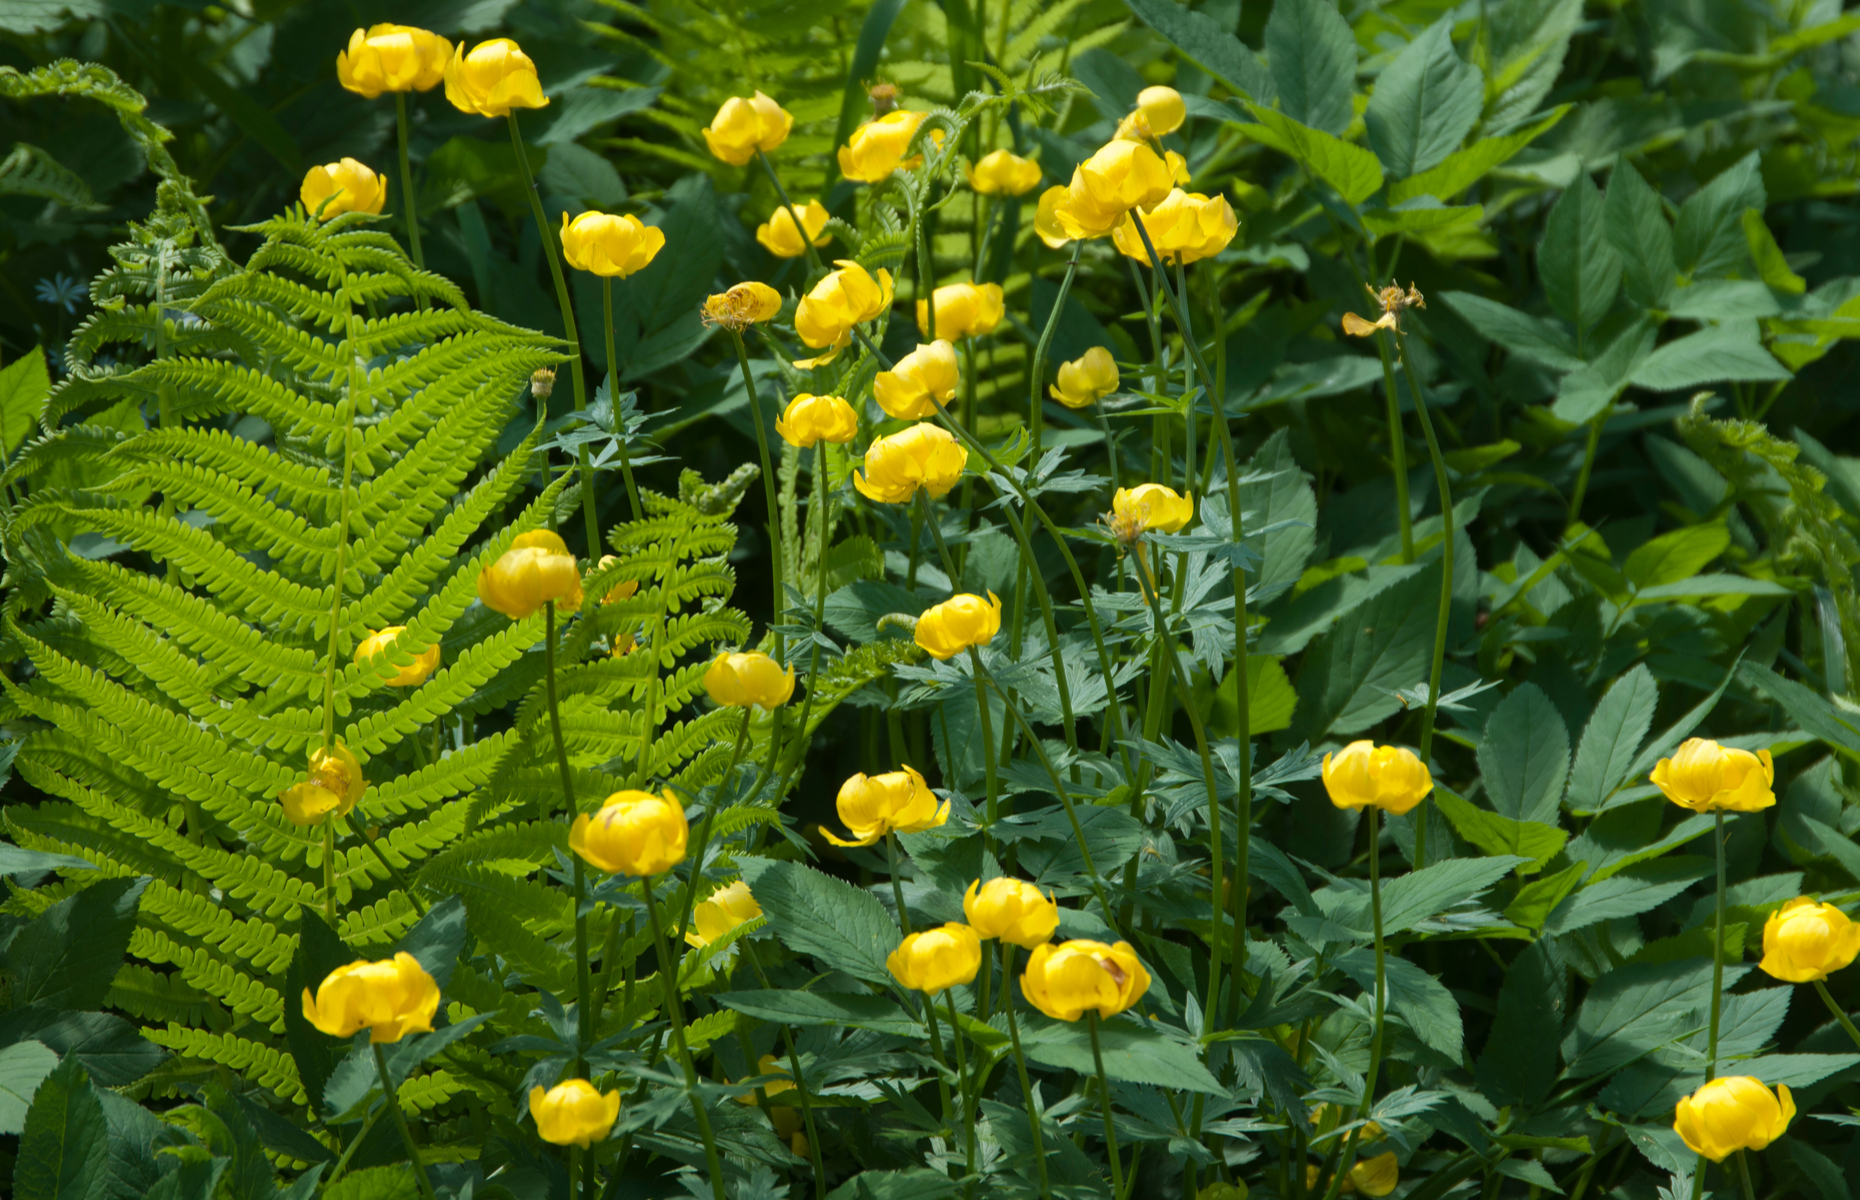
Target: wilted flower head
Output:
[(1393, 302), (743, 305)]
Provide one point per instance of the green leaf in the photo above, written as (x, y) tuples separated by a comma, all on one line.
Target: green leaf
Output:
[(1610, 739), (1417, 997), (1496, 834), (1524, 756), (1827, 1179), (1708, 239), (1772, 267), (1535, 900), (1708, 356), (1581, 271), (1419, 217), (1637, 1008), (1627, 893), (1721, 300), (1836, 845), (578, 174), (1590, 390), (1674, 556), (1810, 710), (1638, 231), (68, 955), (1520, 333), (1312, 54), (23, 1066), (1351, 170), (845, 927), (113, 1052), (319, 951), (1213, 49), (914, 1183), (15, 861), (880, 1014), (392, 1182), (1411, 899), (24, 384), (1347, 681), (1132, 1054), (65, 1143), (1271, 700), (1518, 1065), (1424, 104), (1285, 495), (1701, 587), (438, 939), (1463, 168), (1528, 41)]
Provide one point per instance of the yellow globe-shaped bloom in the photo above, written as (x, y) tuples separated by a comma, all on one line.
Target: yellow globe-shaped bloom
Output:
[(1707, 777), (1186, 227), (573, 1113), (1069, 979), (535, 570), (1012, 910), (962, 621), (340, 187), (935, 959), (1733, 1113), (963, 310), (1046, 221), (635, 833), (392, 58), (918, 382), (1363, 775), (1163, 108), (810, 419), (1151, 507), (1087, 379), (726, 908), (1804, 941), (390, 999), (611, 246), (1001, 173), (779, 237), (740, 680), (741, 127), (495, 77), (876, 148), (335, 785), (871, 806), (925, 456), (414, 673), (846, 297)]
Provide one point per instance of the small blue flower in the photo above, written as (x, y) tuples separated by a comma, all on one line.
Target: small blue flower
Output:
[(61, 289)]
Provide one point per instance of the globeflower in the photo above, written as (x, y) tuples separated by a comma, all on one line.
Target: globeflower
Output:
[(779, 236), (573, 1113), (392, 58), (1804, 942), (847, 297), (1707, 777), (493, 79), (742, 127), (613, 247), (809, 419), (740, 680), (414, 673), (726, 908), (743, 305), (963, 310), (1163, 108), (872, 806), (1011, 910), (1000, 173), (535, 570), (1087, 379), (1733, 1113), (635, 833), (921, 380), (390, 999), (1119, 177), (1067, 980), (876, 148), (346, 186), (1149, 507), (1186, 227), (335, 784), (1046, 221), (960, 622), (1363, 774), (924, 456), (935, 959)]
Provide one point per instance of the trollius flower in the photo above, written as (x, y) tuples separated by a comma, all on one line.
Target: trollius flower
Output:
[(934, 959), (962, 621), (1012, 910), (871, 806), (1804, 941), (1707, 777), (1735, 1112), (1363, 774), (635, 833), (1066, 980), (573, 1113), (390, 999)]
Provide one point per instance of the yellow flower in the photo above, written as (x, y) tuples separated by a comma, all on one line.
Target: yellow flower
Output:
[(414, 673), (809, 419), (493, 79), (896, 802), (1706, 777), (390, 999), (1065, 980), (623, 590), (1804, 941), (1151, 506), (611, 246), (742, 127), (1086, 379), (347, 186), (1372, 1177), (336, 782), (743, 305), (573, 1113), (1000, 173), (962, 621), (739, 680), (920, 381), (635, 833), (876, 148), (535, 570), (1393, 302), (779, 236), (1185, 227), (1163, 108), (392, 58), (1178, 167), (924, 456), (1046, 216), (1388, 777), (963, 310), (768, 1064), (1328, 1116), (1119, 177), (1011, 910), (727, 908), (846, 297), (934, 959), (1731, 1113)]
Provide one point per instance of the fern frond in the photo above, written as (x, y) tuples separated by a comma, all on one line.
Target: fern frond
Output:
[(213, 975), (458, 771), (151, 995), (262, 1064)]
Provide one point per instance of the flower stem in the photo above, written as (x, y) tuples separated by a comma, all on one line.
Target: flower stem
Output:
[(1446, 587), (406, 184), (1398, 452), (1104, 1104), (807, 243), (392, 1099), (962, 1084), (1717, 956), (1839, 1014), (897, 885), (936, 1051), (823, 501), (1382, 991), (1588, 465), (674, 1011), (584, 982), (613, 400), (988, 746), (1036, 375), (703, 837), (768, 486), (1743, 1174), (1020, 1066), (800, 1081)]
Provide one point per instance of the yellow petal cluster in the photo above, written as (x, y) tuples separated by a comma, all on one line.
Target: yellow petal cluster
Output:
[(871, 806), (743, 305), (635, 833), (779, 236), (414, 673), (921, 380), (390, 999), (610, 246), (1163, 108), (963, 310), (1086, 379), (1121, 176), (726, 908), (346, 186), (934, 959), (392, 58), (924, 456), (1151, 507), (740, 680), (573, 1113), (535, 570), (1707, 777), (1001, 173), (962, 621), (1804, 941), (1363, 774), (846, 297), (1185, 227), (742, 127), (335, 784), (1066, 980), (1012, 910), (495, 77), (1371, 1177), (809, 419), (876, 148), (1733, 1113)]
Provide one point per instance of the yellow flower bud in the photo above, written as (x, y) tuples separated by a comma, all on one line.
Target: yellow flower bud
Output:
[(742, 127), (1372, 1177), (962, 621), (414, 673), (1163, 108), (1000, 173), (1388, 777), (573, 1113), (934, 959), (779, 236), (635, 833), (493, 79), (871, 806), (535, 570), (924, 456), (392, 58), (1064, 981), (1011, 910), (390, 999), (809, 419), (611, 246), (336, 783), (1186, 227), (1707, 777), (921, 380), (768, 1064), (1732, 1113), (1151, 506), (1086, 379), (876, 148), (726, 908), (739, 680), (1804, 941), (1046, 221), (963, 310), (846, 297), (743, 305), (339, 187)]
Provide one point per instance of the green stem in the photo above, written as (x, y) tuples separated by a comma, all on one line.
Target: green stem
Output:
[(1839, 1014), (329, 870), (1020, 1065), (1104, 1104), (613, 400), (1446, 588), (1588, 465), (1743, 1175), (768, 486), (407, 198), (942, 1064), (897, 883), (392, 1099), (1382, 991), (942, 547), (703, 837), (1037, 370), (823, 501), (1717, 957), (807, 243), (800, 1081), (400, 881), (962, 1084), (988, 746), (584, 982), (1398, 452), (674, 1011)]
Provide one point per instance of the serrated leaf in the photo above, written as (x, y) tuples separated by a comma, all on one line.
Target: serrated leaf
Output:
[(1708, 239), (24, 385), (1581, 271), (1518, 1064), (1312, 55), (1495, 833), (1520, 333), (1424, 103), (813, 913), (1132, 1054), (880, 1014), (65, 1142), (1612, 737), (1463, 168), (1351, 170), (1207, 45), (1524, 756), (1708, 356), (23, 1066), (1638, 231), (1417, 997), (1772, 267), (1674, 556)]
